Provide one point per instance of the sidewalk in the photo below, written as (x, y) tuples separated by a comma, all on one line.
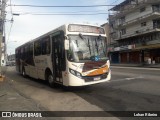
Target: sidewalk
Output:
[(13, 100), (137, 65)]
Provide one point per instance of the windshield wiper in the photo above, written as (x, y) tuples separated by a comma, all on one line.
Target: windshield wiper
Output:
[(77, 43), (89, 47), (100, 38), (96, 45), (103, 47), (88, 44), (81, 36)]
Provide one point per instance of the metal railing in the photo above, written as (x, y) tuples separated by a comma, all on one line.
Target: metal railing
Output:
[(138, 31), (138, 19)]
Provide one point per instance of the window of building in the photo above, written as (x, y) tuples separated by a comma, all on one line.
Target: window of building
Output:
[(155, 36), (122, 20), (123, 31), (143, 24), (156, 23), (156, 8), (142, 9)]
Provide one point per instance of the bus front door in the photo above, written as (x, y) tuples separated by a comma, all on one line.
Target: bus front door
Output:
[(56, 59)]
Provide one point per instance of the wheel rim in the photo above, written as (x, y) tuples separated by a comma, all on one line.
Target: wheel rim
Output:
[(50, 79)]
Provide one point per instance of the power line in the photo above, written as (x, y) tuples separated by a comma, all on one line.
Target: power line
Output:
[(23, 12), (58, 6), (114, 2), (59, 13)]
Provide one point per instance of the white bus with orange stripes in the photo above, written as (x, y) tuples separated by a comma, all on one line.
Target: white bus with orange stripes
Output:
[(71, 55)]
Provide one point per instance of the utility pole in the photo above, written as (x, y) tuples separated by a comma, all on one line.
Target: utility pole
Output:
[(2, 21)]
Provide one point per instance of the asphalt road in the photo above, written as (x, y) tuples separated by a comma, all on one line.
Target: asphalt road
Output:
[(130, 89)]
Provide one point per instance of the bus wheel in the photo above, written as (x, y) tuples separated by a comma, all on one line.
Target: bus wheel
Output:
[(50, 80)]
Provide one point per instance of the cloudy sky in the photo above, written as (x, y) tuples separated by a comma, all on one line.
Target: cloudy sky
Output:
[(28, 25)]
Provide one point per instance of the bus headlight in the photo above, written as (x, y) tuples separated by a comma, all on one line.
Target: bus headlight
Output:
[(108, 63), (75, 73)]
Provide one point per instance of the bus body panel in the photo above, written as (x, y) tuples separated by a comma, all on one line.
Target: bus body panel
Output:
[(42, 62), (32, 72)]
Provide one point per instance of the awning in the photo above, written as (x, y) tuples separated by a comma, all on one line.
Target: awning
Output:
[(147, 46)]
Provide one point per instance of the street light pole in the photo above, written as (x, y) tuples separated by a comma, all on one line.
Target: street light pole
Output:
[(6, 48), (2, 18)]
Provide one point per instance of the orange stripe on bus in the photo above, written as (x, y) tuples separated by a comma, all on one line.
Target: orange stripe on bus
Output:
[(99, 71)]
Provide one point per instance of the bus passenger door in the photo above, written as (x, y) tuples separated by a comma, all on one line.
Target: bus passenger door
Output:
[(57, 51)]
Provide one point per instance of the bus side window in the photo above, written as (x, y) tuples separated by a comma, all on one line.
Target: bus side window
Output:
[(16, 55), (22, 52), (46, 46), (30, 54), (26, 52), (31, 49), (37, 48)]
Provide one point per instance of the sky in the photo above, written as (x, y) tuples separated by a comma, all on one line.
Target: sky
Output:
[(28, 26)]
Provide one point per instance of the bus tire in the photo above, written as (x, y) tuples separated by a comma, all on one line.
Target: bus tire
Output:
[(50, 79)]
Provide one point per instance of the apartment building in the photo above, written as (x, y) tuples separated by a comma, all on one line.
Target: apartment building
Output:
[(106, 28), (135, 32)]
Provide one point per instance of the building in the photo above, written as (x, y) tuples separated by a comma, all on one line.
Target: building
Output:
[(10, 60), (11, 57), (106, 28), (107, 31), (3, 53), (135, 32)]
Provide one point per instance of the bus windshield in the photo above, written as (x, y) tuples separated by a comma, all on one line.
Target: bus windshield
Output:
[(87, 48)]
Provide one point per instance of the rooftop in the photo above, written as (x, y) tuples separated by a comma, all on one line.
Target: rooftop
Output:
[(124, 3)]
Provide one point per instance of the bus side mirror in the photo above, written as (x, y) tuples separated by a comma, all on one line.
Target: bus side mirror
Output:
[(66, 44)]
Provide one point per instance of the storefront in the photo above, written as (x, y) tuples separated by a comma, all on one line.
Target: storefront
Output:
[(121, 54), (123, 57), (114, 57), (134, 57), (150, 53)]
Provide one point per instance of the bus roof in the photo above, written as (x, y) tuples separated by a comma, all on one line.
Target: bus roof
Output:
[(61, 28)]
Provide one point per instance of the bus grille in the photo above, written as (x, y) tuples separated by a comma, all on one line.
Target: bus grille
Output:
[(93, 78)]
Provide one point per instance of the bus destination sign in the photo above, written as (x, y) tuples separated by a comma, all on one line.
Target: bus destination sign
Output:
[(85, 29)]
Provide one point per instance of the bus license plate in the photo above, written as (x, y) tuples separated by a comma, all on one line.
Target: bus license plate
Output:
[(97, 78)]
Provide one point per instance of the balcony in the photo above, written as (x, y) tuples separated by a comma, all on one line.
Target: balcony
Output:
[(156, 26), (137, 32), (150, 16)]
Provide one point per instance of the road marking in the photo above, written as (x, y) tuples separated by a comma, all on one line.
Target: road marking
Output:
[(130, 78), (138, 68), (127, 79)]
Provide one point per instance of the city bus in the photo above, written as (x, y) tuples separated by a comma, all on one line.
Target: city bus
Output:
[(70, 55)]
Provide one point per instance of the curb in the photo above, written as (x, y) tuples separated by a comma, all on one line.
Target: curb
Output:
[(137, 65)]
